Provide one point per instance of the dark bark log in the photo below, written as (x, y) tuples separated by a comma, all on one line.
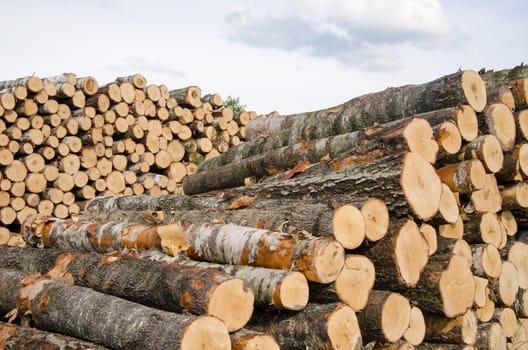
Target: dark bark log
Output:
[(397, 268), (14, 337), (394, 103), (446, 287), (317, 326), (386, 316), (54, 306), (459, 330), (197, 290)]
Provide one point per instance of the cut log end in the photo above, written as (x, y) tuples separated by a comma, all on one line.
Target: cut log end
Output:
[(457, 287), (429, 233), (343, 329), (491, 153), (349, 227), (415, 333), (449, 137), (395, 318), (232, 302), (501, 124), (469, 327), (491, 261), (412, 253), (508, 284), (356, 280), (419, 138), (518, 255), (206, 333), (467, 122), (508, 321), (376, 217), (421, 186), (327, 263), (293, 292), (474, 90), (448, 206)]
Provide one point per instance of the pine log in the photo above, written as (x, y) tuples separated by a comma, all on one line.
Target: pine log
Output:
[(320, 259), (246, 339), (283, 289), (17, 337), (460, 330), (54, 307), (352, 286), (464, 87), (168, 287), (447, 286), (317, 326)]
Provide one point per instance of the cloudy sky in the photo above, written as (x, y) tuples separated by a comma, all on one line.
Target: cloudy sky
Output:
[(285, 55)]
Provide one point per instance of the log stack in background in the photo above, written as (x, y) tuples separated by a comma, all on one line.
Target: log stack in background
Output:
[(65, 139), (397, 219)]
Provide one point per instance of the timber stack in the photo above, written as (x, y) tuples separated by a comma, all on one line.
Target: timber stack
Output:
[(396, 220), (65, 139)]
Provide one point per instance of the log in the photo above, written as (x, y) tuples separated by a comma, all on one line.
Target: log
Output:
[(518, 255), (507, 319), (246, 339), (320, 259), (463, 177), (499, 121), (352, 286), (188, 97), (160, 286), (386, 316), (317, 326), (504, 290), (491, 337), (447, 286), (44, 231), (464, 87), (415, 333), (487, 261), (281, 289), (460, 330), (396, 268), (17, 337), (53, 307)]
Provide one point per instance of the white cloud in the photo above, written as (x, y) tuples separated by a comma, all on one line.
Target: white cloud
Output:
[(364, 33)]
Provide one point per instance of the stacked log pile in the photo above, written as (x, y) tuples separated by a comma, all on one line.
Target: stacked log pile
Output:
[(397, 220), (64, 140)]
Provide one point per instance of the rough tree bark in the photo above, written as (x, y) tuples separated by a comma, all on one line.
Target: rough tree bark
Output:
[(54, 307)]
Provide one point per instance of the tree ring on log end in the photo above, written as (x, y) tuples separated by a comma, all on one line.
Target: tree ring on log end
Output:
[(457, 287), (355, 282), (376, 217), (491, 151), (421, 186), (232, 302), (205, 333), (448, 206), (449, 137), (502, 124), (328, 262), (474, 90), (343, 329)]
